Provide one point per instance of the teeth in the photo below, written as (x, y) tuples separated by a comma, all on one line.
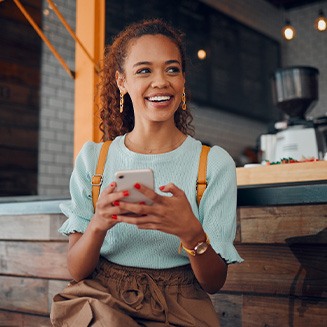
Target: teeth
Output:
[(160, 98)]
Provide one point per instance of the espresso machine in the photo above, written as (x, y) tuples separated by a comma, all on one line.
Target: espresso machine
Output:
[(295, 93)]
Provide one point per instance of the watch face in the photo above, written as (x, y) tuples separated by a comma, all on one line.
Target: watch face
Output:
[(201, 248)]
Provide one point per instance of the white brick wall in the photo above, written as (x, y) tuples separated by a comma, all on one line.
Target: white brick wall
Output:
[(231, 132), (309, 48), (57, 104)]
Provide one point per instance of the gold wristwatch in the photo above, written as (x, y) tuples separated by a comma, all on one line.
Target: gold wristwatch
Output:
[(200, 248)]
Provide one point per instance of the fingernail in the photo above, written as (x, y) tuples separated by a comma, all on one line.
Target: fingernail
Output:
[(142, 202), (125, 193), (116, 203), (137, 186), (161, 188), (114, 217), (112, 184)]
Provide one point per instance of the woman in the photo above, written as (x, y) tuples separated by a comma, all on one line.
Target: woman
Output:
[(140, 278)]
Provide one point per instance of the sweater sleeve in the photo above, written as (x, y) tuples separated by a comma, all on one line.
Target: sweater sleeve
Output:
[(79, 209), (217, 208)]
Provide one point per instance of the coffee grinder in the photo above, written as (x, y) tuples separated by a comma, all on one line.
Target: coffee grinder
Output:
[(295, 93)]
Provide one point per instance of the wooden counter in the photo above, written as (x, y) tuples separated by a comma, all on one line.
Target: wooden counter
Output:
[(281, 235), (283, 173), (286, 184), (282, 281)]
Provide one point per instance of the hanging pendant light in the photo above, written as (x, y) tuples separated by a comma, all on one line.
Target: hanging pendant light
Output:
[(321, 22), (202, 54), (288, 31)]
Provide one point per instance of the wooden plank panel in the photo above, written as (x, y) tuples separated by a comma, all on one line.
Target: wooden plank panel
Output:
[(18, 94), (278, 311), (15, 183), (19, 137), (10, 11), (300, 270), (19, 73), (13, 319), (28, 118), (228, 308), (238, 226), (298, 172), (24, 294), (31, 227), (28, 295), (34, 259), (15, 53), (278, 224), (11, 160)]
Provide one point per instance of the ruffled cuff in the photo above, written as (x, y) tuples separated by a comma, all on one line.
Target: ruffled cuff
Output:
[(228, 252), (74, 223)]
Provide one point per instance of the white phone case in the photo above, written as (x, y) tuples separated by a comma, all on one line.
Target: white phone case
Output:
[(128, 178)]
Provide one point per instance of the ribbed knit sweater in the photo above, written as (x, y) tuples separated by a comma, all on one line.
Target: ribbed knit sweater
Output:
[(125, 244)]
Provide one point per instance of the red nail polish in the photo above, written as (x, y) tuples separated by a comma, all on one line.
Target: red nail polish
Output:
[(161, 188), (137, 186), (112, 184), (142, 202), (114, 217), (125, 193), (116, 203)]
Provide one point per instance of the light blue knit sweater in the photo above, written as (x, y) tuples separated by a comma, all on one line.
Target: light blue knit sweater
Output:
[(129, 246)]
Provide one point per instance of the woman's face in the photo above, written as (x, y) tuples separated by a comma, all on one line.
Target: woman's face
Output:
[(153, 78)]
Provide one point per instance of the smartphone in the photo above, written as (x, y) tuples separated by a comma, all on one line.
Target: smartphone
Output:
[(126, 180)]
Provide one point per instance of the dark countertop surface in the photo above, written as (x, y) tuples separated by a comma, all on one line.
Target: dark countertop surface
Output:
[(298, 193)]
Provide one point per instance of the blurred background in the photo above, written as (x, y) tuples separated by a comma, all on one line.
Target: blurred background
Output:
[(233, 48)]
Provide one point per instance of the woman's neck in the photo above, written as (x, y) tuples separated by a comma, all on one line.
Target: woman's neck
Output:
[(154, 141)]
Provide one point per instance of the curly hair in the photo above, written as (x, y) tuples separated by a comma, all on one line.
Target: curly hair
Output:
[(113, 123)]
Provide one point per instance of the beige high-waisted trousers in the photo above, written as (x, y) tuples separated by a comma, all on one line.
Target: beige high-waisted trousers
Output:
[(117, 296)]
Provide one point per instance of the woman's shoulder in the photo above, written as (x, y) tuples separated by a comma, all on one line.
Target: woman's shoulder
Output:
[(220, 162), (216, 156), (218, 153), (89, 149)]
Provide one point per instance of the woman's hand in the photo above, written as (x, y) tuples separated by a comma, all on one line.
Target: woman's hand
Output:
[(84, 248), (169, 214), (106, 210), (174, 215)]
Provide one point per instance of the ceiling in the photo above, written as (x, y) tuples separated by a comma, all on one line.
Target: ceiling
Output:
[(289, 4)]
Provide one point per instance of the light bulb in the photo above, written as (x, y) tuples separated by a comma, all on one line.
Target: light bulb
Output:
[(202, 54), (288, 31), (321, 22)]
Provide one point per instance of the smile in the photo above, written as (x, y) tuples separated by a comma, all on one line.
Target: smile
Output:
[(158, 98)]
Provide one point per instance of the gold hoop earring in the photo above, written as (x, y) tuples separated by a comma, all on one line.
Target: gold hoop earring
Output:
[(121, 103), (184, 100)]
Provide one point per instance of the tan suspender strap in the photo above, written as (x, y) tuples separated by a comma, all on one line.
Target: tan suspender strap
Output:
[(97, 178), (202, 174)]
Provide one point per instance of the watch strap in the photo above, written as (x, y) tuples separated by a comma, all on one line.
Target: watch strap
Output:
[(192, 252)]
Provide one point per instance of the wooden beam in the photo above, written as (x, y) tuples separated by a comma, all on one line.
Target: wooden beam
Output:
[(305, 224), (34, 259), (90, 29), (32, 227), (295, 270), (279, 311), (29, 295), (8, 318)]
